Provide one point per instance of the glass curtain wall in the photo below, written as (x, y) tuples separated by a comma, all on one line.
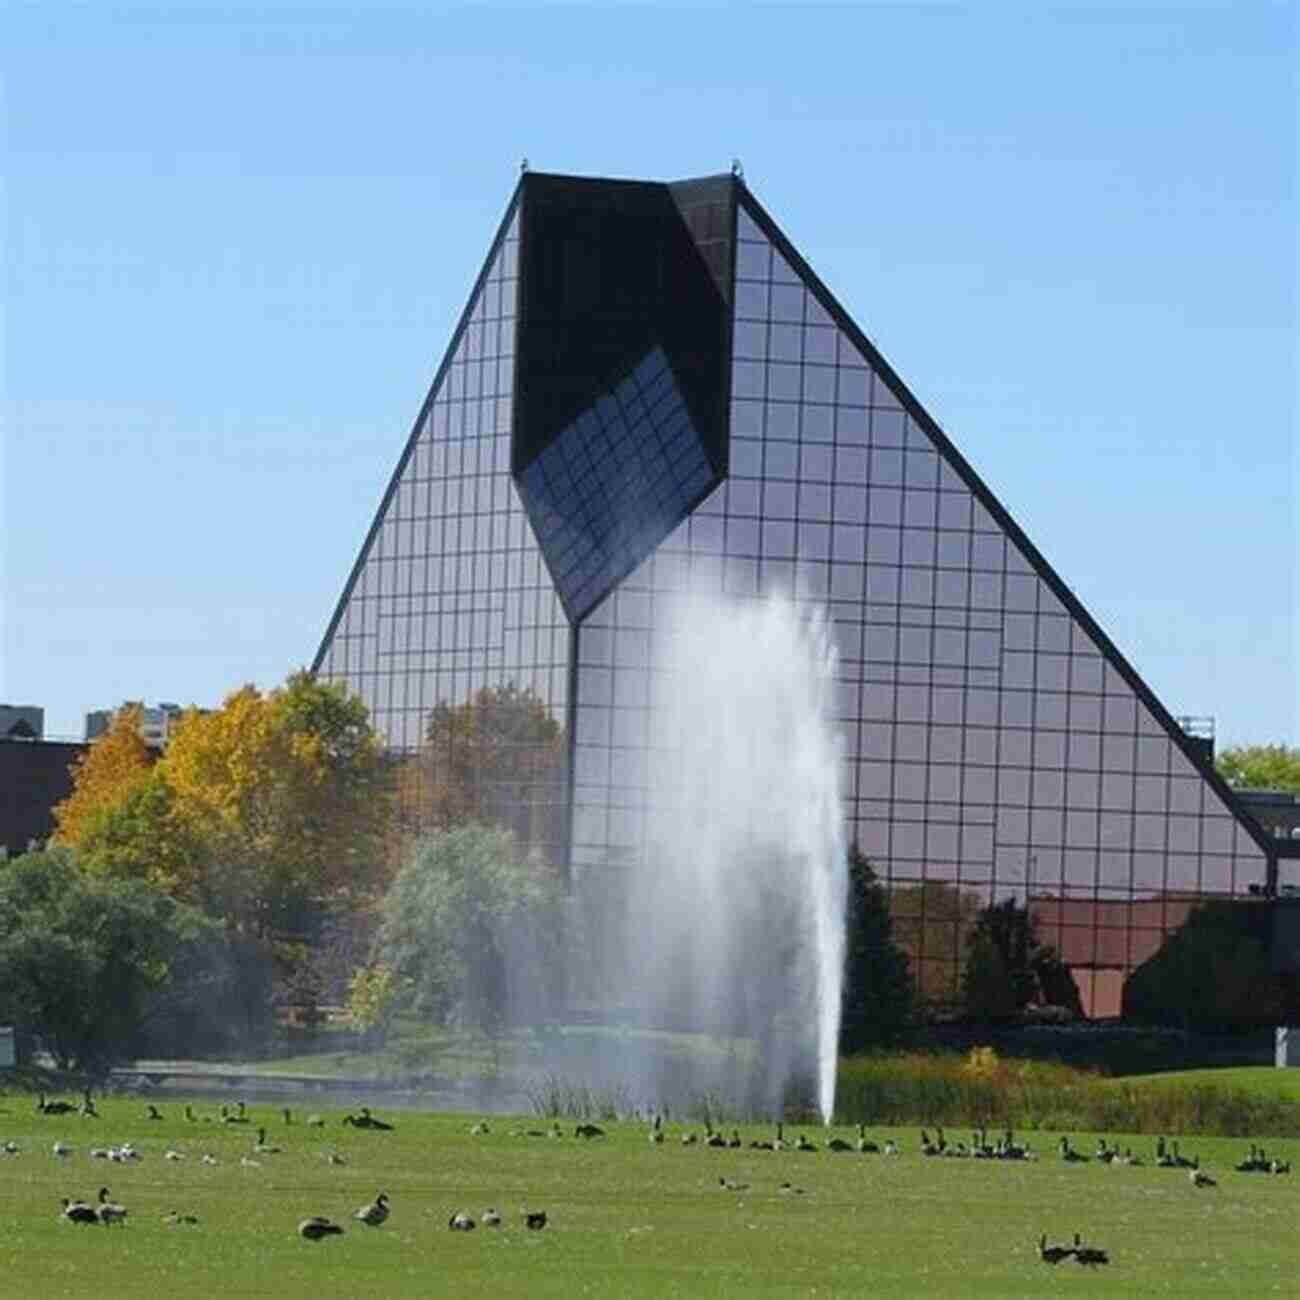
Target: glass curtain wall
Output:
[(993, 747), (451, 597)]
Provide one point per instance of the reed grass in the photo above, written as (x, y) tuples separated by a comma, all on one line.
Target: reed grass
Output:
[(981, 1088)]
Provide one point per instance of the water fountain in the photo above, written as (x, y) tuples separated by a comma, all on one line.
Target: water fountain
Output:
[(735, 915)]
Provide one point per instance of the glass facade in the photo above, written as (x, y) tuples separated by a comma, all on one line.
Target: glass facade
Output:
[(451, 594), (995, 742), (614, 483)]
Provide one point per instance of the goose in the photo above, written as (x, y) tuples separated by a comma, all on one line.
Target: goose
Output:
[(534, 1220), (712, 1138), (588, 1131), (44, 1107), (779, 1143), (1089, 1255), (480, 1129), (61, 1149), (1069, 1154), (1104, 1153), (891, 1147), (789, 1189), (461, 1222), (333, 1158), (189, 1114), (10, 1148), (801, 1143), (375, 1213), (264, 1148), (1251, 1163), (172, 1154), (99, 1153), (733, 1142), (315, 1121), (87, 1108), (1279, 1166), (730, 1185), (554, 1131), (1053, 1254), (287, 1112), (690, 1139), (247, 1162), (864, 1144), (839, 1144), (364, 1119), (318, 1226), (490, 1218), (1199, 1178), (238, 1117), (152, 1112), (109, 1212), (929, 1146), (78, 1212), (174, 1219), (657, 1131), (207, 1158)]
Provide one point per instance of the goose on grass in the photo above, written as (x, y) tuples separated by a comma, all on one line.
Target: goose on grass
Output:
[(109, 1212), (317, 1226), (375, 1213)]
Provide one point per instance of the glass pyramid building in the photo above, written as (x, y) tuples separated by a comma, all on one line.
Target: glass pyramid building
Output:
[(649, 384)]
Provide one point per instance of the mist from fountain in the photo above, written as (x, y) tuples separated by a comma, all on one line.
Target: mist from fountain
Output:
[(736, 914)]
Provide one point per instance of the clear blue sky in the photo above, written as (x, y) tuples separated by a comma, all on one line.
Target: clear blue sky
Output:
[(237, 238)]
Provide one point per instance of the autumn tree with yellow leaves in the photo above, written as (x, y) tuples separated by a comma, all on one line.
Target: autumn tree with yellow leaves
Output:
[(117, 762), (259, 812), (289, 794)]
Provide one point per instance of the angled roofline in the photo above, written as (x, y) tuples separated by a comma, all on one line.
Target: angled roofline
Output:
[(414, 436), (984, 495)]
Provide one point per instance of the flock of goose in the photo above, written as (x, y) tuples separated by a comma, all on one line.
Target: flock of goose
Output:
[(106, 1212), (315, 1227)]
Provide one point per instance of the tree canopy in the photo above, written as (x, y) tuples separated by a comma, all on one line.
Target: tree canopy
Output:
[(877, 1002), (84, 962), (288, 793), (257, 811), (117, 762), (472, 929), (1260, 767)]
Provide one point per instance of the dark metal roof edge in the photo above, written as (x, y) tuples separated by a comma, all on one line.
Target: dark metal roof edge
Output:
[(984, 494), (414, 435)]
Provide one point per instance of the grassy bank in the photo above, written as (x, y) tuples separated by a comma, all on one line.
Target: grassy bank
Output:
[(982, 1088)]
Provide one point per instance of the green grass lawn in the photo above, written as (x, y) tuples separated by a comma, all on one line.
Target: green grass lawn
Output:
[(1259, 1080), (626, 1218)]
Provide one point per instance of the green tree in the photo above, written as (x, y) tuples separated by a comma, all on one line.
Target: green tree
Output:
[(877, 1001), (472, 928), (84, 963), (1260, 767), (372, 995)]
